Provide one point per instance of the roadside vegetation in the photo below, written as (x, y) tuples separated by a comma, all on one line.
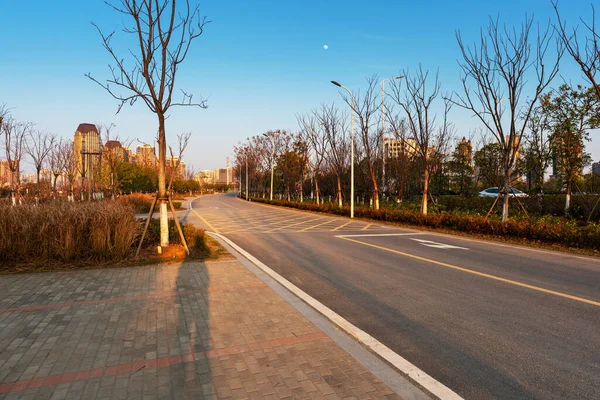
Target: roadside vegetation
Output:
[(63, 235), (533, 229)]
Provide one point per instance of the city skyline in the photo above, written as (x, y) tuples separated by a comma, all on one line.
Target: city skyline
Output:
[(255, 78)]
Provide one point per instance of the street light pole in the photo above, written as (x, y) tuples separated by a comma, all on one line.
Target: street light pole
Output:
[(352, 149), (383, 188)]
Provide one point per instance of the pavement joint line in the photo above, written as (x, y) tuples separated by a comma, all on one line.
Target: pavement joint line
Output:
[(132, 367), (316, 226), (382, 234), (482, 274), (145, 296), (366, 227), (296, 224), (415, 374), (341, 226), (205, 221)]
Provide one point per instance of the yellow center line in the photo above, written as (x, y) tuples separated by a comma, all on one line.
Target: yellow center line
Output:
[(469, 271), (206, 222), (316, 226), (299, 223), (366, 227), (341, 226)]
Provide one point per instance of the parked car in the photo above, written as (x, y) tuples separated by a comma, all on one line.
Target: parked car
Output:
[(493, 192)]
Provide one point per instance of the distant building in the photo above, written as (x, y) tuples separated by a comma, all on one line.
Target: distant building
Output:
[(173, 163), (206, 176), (465, 149), (223, 175), (6, 174), (87, 148), (393, 148), (145, 156), (596, 168)]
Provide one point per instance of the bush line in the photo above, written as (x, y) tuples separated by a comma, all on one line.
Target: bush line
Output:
[(543, 230)]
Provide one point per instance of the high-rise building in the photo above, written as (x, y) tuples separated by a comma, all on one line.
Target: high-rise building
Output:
[(87, 148), (223, 175), (145, 156), (596, 168)]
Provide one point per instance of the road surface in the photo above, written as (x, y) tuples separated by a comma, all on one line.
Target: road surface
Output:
[(487, 320)]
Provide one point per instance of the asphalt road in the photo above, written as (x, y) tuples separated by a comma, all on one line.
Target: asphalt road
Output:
[(485, 319)]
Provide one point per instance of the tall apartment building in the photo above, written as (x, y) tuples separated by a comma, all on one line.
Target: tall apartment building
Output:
[(174, 162), (145, 155), (87, 148), (223, 175), (596, 168)]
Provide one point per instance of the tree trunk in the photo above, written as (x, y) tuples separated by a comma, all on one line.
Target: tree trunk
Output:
[(339, 192), (506, 195), (425, 192), (317, 190), (375, 188), (568, 197), (37, 191), (162, 182), (302, 187)]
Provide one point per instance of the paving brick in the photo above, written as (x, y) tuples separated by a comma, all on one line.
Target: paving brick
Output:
[(171, 331)]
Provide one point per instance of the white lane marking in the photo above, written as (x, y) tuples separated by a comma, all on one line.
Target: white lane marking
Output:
[(383, 234), (418, 376), (437, 245)]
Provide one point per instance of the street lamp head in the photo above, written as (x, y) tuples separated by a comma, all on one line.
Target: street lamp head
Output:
[(399, 77), (336, 84)]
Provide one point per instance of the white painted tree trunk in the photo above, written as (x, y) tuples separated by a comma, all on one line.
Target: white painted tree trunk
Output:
[(164, 224)]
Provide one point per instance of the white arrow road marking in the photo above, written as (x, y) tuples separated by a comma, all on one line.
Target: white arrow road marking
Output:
[(437, 245)]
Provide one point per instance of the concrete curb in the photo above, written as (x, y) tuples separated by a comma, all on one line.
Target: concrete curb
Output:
[(415, 375)]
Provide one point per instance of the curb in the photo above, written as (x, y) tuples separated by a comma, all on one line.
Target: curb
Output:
[(410, 371)]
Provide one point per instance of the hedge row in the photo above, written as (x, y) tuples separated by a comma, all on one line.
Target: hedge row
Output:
[(548, 230)]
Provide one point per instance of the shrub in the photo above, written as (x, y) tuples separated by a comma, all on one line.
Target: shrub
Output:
[(61, 231), (140, 202)]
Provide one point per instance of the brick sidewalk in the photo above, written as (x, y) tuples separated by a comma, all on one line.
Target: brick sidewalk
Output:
[(197, 330)]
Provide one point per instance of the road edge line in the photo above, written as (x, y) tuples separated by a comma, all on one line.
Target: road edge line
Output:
[(412, 372)]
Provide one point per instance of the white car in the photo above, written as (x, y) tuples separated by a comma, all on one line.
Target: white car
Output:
[(493, 192)]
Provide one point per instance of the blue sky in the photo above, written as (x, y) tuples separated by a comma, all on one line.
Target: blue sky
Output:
[(258, 64)]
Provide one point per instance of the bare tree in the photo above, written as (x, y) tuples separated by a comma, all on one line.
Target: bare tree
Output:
[(15, 139), (175, 160), (56, 163), (164, 33), (113, 155), (38, 148), (313, 134), (366, 108), (70, 166), (501, 66), (404, 151), (584, 50), (430, 138), (336, 149)]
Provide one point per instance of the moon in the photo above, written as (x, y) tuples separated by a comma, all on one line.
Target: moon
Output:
[(325, 46)]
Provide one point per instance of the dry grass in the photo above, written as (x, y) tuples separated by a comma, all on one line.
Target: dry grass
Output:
[(63, 231), (142, 202), (67, 236)]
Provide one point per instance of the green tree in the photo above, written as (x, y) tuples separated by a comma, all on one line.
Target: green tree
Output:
[(460, 169), (488, 163), (571, 113)]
